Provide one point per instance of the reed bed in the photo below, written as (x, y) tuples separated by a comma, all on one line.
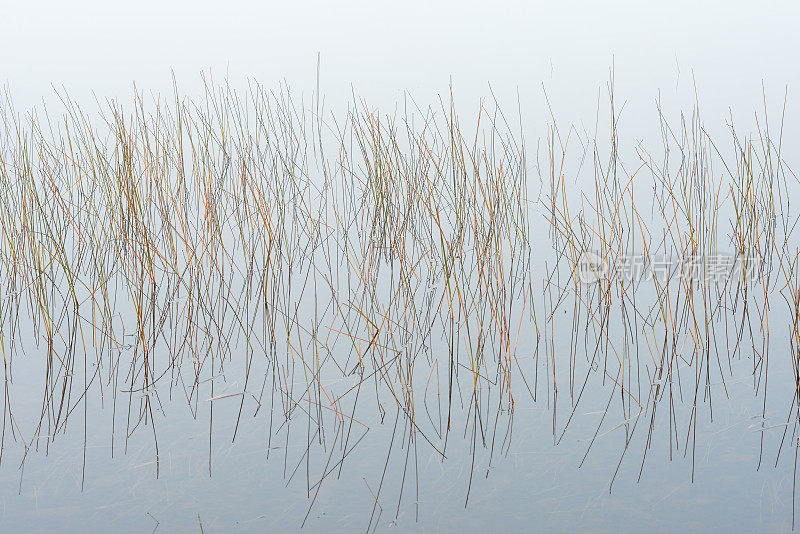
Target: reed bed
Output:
[(335, 269)]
